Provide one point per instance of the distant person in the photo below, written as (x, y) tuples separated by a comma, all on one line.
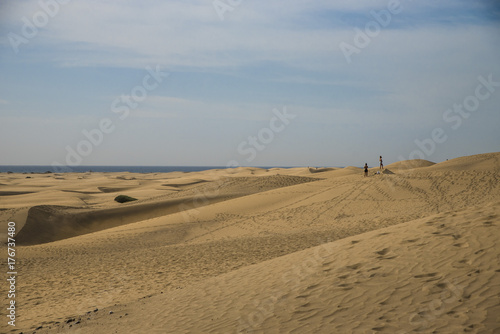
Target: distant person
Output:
[(366, 169), (381, 163)]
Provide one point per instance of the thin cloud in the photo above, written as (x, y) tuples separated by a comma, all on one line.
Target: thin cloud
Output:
[(183, 34)]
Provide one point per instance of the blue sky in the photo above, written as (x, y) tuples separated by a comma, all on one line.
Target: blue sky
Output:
[(228, 77)]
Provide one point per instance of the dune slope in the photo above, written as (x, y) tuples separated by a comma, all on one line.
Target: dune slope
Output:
[(372, 282)]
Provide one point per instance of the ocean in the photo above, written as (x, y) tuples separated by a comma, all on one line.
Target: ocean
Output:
[(109, 169)]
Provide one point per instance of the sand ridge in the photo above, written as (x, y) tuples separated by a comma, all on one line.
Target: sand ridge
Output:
[(46, 223)]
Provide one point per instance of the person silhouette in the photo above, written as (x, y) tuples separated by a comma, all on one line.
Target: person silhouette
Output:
[(381, 163), (366, 169)]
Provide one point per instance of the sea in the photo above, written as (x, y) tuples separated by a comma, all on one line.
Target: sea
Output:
[(108, 169)]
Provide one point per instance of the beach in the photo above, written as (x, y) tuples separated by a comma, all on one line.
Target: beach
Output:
[(413, 248)]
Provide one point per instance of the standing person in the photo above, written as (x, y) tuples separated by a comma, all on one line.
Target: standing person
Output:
[(381, 163), (366, 169)]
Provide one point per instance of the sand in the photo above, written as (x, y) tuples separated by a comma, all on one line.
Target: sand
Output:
[(301, 250)]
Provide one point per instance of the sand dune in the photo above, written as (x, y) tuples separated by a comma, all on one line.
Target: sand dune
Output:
[(51, 223), (260, 250), (482, 162), (410, 164), (320, 170), (372, 282)]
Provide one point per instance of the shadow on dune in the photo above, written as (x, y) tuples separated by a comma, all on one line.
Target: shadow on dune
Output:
[(47, 223), (313, 170)]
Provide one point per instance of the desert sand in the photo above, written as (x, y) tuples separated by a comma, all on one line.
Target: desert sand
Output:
[(300, 250)]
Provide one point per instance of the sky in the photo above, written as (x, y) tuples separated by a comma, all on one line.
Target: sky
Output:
[(247, 83)]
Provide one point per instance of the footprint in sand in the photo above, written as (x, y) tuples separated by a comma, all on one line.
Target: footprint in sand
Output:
[(374, 268), (302, 296), (383, 251), (313, 286), (354, 266), (425, 275), (378, 329), (441, 285)]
